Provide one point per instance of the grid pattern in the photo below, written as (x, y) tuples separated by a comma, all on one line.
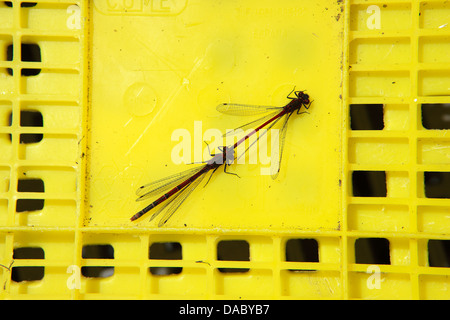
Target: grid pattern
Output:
[(42, 109), (172, 265), (394, 214), (395, 73)]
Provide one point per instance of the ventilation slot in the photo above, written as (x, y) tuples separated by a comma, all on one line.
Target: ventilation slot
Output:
[(366, 117), (369, 184), (302, 250), (233, 250), (97, 251), (30, 185), (31, 52), (372, 251), (27, 273), (165, 251)]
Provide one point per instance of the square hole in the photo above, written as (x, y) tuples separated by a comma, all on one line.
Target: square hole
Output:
[(436, 116), (369, 184), (30, 185), (165, 251), (22, 4), (27, 273), (233, 250), (366, 117), (302, 250), (97, 251), (439, 253), (437, 184), (31, 52), (372, 251), (29, 118), (28, 253)]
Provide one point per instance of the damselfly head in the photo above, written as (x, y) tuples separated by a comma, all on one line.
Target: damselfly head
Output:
[(302, 96), (303, 99), (229, 154)]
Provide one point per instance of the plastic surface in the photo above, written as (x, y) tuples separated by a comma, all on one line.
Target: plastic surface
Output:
[(94, 101)]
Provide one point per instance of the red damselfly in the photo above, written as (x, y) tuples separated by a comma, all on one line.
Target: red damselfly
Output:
[(182, 184), (278, 114)]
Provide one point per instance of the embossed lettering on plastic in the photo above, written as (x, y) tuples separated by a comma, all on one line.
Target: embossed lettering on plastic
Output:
[(141, 7)]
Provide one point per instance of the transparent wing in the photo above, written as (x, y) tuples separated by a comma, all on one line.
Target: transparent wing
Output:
[(159, 186), (236, 109), (167, 202), (251, 124), (179, 200), (259, 136), (275, 169)]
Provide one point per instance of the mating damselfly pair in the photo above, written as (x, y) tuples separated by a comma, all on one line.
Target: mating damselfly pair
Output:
[(176, 188)]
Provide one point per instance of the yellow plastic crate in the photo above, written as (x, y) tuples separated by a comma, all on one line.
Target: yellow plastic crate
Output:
[(92, 94)]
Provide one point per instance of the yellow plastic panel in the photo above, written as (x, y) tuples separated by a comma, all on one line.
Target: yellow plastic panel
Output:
[(43, 59), (395, 61), (94, 95), (396, 16), (184, 64)]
